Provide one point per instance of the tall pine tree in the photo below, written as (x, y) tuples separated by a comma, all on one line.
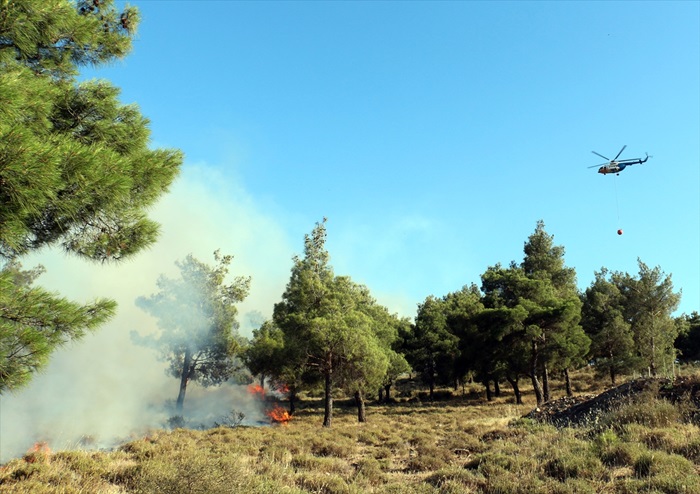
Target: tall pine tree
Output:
[(649, 301), (196, 316), (558, 341), (332, 325), (602, 317), (76, 169)]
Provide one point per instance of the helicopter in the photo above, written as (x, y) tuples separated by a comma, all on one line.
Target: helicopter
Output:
[(615, 166)]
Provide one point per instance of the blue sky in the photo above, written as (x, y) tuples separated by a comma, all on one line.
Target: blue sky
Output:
[(432, 135)]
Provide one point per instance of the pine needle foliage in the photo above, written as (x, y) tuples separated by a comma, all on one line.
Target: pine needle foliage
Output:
[(76, 169)]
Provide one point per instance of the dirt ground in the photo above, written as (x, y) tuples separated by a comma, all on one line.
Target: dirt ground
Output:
[(581, 409)]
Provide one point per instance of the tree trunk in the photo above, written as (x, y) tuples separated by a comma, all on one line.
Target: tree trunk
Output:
[(545, 384), (516, 390), (328, 400), (487, 385), (431, 381), (533, 375), (387, 393), (292, 400), (567, 379), (381, 395), (360, 402), (496, 388), (612, 374), (262, 381), (538, 389), (184, 378)]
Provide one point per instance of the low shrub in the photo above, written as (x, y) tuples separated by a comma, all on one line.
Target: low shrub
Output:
[(452, 479), (369, 471), (574, 465), (642, 465), (277, 454), (324, 484), (428, 458), (337, 449), (620, 454), (659, 463), (651, 412)]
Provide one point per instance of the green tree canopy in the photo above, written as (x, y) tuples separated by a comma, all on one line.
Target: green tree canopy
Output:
[(431, 348), (688, 340), (533, 309), (602, 317), (75, 163), (197, 318), (649, 302), (332, 324), (263, 356), (34, 322), (76, 169), (559, 342)]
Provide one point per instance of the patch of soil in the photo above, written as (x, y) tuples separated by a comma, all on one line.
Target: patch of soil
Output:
[(578, 410)]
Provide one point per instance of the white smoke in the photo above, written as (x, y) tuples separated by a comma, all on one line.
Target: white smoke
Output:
[(104, 388)]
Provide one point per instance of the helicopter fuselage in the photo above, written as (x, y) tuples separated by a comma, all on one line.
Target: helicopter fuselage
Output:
[(618, 166), (611, 168)]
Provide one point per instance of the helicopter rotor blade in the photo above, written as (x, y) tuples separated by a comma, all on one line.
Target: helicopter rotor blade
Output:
[(598, 154), (618, 154)]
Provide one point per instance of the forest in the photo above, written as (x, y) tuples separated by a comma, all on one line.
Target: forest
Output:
[(78, 171)]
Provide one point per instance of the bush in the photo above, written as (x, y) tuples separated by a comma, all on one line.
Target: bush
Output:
[(276, 454), (453, 479), (323, 484), (369, 471), (621, 454), (572, 465), (650, 413), (660, 463), (337, 449), (642, 466), (428, 458)]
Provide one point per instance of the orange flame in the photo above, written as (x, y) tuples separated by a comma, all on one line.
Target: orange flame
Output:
[(279, 415), (39, 452), (256, 390)]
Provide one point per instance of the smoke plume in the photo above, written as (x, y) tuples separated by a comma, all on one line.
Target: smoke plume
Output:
[(105, 389)]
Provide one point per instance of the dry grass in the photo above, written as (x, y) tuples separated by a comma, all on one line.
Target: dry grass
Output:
[(460, 445)]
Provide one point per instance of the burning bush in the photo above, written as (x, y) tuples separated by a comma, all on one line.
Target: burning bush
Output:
[(279, 415), (40, 452), (257, 390)]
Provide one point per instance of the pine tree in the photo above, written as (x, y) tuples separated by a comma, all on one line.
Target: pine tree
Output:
[(649, 301), (602, 317), (34, 322), (688, 340), (432, 348), (331, 325), (558, 340), (196, 314), (76, 169)]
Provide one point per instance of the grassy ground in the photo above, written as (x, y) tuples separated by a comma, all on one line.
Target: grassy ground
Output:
[(460, 445)]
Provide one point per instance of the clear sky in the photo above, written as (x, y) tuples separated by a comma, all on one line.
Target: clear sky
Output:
[(432, 135)]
